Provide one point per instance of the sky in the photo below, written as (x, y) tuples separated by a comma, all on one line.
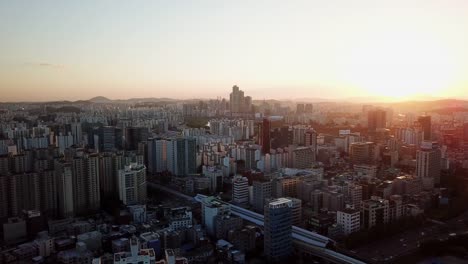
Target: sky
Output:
[(70, 50)]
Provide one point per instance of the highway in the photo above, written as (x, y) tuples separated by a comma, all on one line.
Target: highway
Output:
[(314, 242)]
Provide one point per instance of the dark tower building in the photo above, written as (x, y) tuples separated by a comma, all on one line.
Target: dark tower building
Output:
[(135, 135), (265, 136), (425, 122), (377, 119)]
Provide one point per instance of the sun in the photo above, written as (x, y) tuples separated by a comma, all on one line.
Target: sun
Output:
[(399, 68)]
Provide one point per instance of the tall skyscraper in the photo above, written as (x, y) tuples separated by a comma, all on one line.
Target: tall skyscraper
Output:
[(134, 135), (426, 126), (278, 229), (238, 103), (265, 139), (236, 99), (428, 164), (377, 119), (108, 138)]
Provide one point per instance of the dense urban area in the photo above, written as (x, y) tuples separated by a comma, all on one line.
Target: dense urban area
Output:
[(236, 180)]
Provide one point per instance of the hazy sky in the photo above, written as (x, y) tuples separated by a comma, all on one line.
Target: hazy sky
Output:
[(71, 50)]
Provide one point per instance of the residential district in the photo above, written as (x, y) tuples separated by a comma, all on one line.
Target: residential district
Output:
[(231, 181)]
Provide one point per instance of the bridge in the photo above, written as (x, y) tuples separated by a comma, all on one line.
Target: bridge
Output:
[(306, 241)]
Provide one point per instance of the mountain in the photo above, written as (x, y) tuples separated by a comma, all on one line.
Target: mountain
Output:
[(429, 106), (100, 99)]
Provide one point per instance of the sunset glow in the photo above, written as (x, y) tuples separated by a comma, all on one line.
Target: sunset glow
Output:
[(329, 49)]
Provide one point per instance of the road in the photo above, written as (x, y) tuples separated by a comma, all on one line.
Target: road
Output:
[(170, 191), (389, 249)]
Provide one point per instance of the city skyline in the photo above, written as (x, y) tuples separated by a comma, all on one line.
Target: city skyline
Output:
[(275, 50)]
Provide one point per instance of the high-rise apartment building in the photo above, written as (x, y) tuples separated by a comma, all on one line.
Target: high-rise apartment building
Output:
[(3, 197), (24, 192), (65, 189), (77, 133), (107, 178), (310, 140), (49, 192), (278, 229), (132, 184), (181, 156), (92, 182), (250, 158)]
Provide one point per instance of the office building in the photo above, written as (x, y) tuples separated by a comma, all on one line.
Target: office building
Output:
[(428, 165), (377, 119), (349, 220), (135, 135), (264, 136), (426, 127), (262, 190), (362, 152), (216, 178), (238, 102), (225, 223), (240, 190), (374, 211), (278, 230), (303, 157), (211, 207)]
